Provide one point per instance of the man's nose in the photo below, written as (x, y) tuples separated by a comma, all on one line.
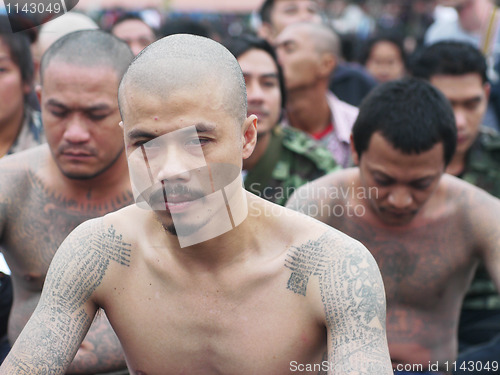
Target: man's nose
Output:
[(175, 164), (255, 93), (400, 198), (460, 118), (76, 130)]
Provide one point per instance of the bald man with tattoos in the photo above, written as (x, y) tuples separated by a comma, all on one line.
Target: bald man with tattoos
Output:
[(427, 230), (201, 276), (80, 174)]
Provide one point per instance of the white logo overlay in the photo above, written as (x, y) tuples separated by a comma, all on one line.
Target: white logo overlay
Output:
[(195, 200)]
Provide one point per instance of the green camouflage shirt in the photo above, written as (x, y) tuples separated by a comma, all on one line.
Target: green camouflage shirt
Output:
[(483, 170), (291, 159)]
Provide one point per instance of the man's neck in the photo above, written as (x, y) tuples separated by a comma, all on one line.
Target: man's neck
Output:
[(308, 110), (110, 183), (457, 164), (230, 248)]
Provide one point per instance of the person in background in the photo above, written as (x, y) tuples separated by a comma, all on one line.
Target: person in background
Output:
[(20, 129), (81, 173), (51, 31), (384, 57), (458, 70), (349, 82), (20, 124), (478, 23), (427, 229), (283, 158), (308, 54), (275, 15), (134, 31)]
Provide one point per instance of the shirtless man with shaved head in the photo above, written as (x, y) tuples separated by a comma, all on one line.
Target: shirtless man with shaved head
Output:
[(200, 276), (81, 173)]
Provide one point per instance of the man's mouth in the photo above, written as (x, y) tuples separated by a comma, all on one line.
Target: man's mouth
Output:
[(75, 153), (173, 199)]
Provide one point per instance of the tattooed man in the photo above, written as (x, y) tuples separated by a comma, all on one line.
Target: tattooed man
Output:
[(82, 173), (200, 276), (426, 230)]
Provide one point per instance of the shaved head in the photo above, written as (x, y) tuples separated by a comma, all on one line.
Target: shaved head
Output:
[(186, 62), (89, 48), (324, 39)]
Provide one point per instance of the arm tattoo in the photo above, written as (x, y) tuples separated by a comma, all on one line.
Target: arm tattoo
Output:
[(353, 299), (53, 334)]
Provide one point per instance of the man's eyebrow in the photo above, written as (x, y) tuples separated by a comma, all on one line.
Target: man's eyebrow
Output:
[(97, 107), (55, 103), (269, 75), (474, 99), (423, 179), (199, 127), (203, 127), (374, 170), (138, 133)]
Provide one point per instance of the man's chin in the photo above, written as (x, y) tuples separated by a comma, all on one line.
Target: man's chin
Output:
[(177, 228), (397, 219), (80, 175)]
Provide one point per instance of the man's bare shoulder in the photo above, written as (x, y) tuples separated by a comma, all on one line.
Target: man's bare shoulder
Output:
[(93, 246), (16, 170), (342, 279), (28, 158), (16, 167), (341, 176), (320, 197), (464, 195)]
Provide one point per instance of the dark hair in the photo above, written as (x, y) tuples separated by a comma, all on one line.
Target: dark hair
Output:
[(392, 38), (265, 11), (450, 58), (241, 44), (20, 51), (134, 17), (410, 114), (186, 26), (89, 48)]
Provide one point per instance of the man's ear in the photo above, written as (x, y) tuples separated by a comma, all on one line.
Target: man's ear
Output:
[(487, 90), (265, 31), (249, 135), (328, 63), (354, 154)]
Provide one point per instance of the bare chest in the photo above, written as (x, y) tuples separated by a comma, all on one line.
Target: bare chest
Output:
[(260, 329), (421, 265), (38, 220)]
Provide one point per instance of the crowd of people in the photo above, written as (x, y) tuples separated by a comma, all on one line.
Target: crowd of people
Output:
[(315, 191)]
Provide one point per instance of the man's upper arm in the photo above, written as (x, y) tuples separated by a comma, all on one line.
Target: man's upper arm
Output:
[(65, 311), (355, 310), (353, 299), (484, 218)]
